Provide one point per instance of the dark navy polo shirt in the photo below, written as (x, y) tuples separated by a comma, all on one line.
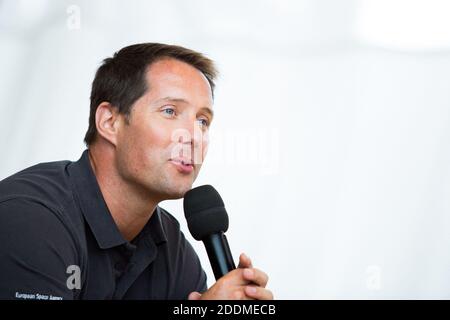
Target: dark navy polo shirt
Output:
[(58, 240)]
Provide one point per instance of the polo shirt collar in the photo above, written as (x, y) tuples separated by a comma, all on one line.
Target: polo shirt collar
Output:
[(95, 211)]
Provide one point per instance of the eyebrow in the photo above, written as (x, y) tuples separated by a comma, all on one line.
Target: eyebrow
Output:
[(172, 99)]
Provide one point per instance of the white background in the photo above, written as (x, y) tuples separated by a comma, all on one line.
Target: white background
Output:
[(331, 143)]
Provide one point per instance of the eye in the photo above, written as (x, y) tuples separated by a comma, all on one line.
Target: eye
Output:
[(169, 111), (203, 122)]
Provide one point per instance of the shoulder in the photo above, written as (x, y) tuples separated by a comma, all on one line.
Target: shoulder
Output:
[(26, 219), (46, 181), (168, 219), (172, 230), (41, 193)]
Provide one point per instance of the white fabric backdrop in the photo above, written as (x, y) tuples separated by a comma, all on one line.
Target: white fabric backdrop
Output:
[(331, 141)]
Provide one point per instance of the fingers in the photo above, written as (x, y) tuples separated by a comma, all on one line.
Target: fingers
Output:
[(244, 261), (243, 283), (256, 276), (194, 296), (258, 293), (241, 295)]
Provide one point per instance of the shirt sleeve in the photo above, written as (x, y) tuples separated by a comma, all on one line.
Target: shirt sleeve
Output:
[(38, 259)]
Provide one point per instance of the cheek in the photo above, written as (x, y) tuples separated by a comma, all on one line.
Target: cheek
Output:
[(153, 147), (143, 147), (151, 134)]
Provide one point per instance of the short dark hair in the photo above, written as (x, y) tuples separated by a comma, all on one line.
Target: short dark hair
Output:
[(121, 80)]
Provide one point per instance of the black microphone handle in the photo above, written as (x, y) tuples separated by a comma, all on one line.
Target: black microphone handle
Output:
[(219, 254)]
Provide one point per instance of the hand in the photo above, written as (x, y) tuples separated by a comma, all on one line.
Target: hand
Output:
[(243, 283)]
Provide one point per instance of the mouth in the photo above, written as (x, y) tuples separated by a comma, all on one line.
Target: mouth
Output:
[(183, 165)]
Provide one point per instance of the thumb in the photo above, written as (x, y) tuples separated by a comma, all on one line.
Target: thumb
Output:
[(244, 261), (194, 296)]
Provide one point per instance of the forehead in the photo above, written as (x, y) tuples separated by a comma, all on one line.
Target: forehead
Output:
[(170, 77)]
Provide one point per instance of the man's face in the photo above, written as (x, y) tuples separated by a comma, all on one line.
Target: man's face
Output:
[(163, 146)]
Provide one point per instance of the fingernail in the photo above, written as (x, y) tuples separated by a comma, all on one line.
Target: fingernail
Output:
[(248, 273)]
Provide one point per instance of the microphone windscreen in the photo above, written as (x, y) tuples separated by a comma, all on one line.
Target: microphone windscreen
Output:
[(205, 212)]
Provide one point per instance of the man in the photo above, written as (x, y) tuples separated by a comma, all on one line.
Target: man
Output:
[(92, 229)]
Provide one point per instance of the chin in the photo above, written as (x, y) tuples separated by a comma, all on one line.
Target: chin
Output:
[(174, 196), (178, 192)]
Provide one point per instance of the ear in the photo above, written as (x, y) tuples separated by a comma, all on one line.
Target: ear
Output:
[(107, 121)]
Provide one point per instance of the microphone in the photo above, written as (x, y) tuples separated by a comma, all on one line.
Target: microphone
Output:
[(207, 221)]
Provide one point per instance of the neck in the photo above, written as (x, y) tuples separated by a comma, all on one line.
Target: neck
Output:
[(130, 207)]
